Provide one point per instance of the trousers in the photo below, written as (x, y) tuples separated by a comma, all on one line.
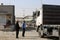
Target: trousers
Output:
[(38, 28), (23, 33), (17, 33)]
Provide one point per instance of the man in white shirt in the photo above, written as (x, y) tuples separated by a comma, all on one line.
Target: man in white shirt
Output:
[(38, 22)]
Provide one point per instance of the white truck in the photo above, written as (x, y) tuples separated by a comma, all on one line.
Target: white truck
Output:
[(50, 19)]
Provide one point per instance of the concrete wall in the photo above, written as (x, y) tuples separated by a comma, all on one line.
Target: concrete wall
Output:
[(8, 10)]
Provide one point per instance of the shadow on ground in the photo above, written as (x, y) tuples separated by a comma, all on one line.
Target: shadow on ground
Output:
[(53, 38)]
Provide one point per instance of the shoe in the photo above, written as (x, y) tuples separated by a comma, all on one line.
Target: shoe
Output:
[(36, 31), (23, 36), (17, 37)]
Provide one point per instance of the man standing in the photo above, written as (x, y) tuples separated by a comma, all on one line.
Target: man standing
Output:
[(17, 29), (38, 22), (23, 27)]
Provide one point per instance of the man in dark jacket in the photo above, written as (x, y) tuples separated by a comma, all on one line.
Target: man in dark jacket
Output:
[(17, 29)]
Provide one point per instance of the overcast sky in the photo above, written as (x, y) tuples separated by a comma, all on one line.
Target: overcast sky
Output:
[(26, 7)]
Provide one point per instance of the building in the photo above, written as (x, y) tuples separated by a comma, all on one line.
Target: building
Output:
[(28, 18), (7, 12), (20, 19)]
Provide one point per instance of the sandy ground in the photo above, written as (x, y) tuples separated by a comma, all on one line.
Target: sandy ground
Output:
[(29, 35)]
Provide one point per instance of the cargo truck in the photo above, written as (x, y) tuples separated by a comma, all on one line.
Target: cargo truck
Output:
[(49, 19)]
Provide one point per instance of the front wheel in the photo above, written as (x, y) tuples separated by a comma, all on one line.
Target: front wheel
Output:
[(41, 34)]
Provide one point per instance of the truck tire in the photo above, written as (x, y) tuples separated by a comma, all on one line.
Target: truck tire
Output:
[(41, 34)]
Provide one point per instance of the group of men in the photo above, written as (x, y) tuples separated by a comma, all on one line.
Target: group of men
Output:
[(17, 28), (38, 24)]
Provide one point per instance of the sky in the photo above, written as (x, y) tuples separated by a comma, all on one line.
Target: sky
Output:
[(26, 7)]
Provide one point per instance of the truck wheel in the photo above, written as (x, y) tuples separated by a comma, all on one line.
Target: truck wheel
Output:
[(41, 35)]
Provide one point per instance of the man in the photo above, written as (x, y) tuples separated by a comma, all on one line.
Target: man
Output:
[(17, 29), (38, 22), (23, 27)]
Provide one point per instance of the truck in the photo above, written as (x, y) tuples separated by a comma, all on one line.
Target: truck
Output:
[(49, 19)]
